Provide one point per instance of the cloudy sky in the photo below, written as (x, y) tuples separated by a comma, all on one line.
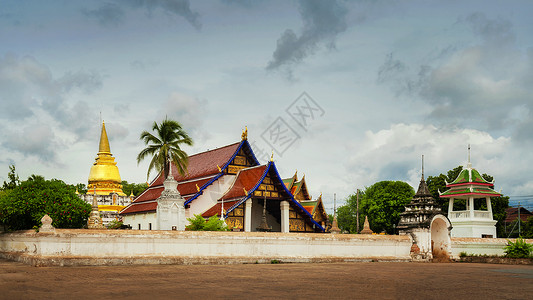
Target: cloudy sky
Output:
[(346, 92)]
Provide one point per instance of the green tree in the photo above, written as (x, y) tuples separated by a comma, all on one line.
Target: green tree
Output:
[(527, 228), (499, 204), (24, 206), (165, 146), (81, 188), (13, 179), (383, 202), (347, 214), (137, 188)]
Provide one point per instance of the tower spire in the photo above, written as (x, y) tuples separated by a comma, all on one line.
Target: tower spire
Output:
[(469, 165), (104, 141), (422, 166)]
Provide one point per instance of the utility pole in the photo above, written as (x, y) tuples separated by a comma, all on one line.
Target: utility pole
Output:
[(519, 221), (334, 204), (357, 213)]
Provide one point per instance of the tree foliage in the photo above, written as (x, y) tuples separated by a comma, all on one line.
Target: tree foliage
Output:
[(13, 179), (382, 202), (165, 146), (137, 188), (198, 223), (347, 215), (81, 188), (524, 229), (24, 206)]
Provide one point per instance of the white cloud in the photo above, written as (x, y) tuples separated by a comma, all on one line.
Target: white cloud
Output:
[(395, 153), (34, 105), (190, 112)]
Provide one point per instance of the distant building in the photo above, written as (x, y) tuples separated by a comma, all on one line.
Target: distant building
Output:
[(105, 183), (316, 208), (511, 215)]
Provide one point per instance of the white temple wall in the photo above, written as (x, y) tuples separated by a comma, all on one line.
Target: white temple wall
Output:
[(105, 247), (93, 247)]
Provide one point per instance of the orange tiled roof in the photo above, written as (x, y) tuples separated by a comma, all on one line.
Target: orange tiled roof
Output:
[(246, 179)]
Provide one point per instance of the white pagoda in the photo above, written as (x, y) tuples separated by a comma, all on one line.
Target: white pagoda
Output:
[(468, 186)]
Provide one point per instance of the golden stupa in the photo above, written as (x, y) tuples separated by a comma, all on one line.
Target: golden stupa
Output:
[(104, 177)]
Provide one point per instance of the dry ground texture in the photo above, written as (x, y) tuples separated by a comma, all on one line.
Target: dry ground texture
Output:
[(383, 280)]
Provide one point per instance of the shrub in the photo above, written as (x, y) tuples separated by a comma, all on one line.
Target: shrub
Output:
[(198, 223), (115, 224), (518, 249)]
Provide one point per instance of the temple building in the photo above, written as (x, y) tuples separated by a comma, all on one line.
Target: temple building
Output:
[(428, 227), (471, 186), (316, 208), (105, 183), (228, 182)]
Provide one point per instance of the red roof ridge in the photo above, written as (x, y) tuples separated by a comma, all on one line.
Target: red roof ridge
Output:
[(196, 179), (211, 150)]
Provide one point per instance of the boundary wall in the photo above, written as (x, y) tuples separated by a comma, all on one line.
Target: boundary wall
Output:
[(121, 247), (69, 247), (481, 246)]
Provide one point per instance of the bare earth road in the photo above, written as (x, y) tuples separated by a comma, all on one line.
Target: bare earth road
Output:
[(276, 281)]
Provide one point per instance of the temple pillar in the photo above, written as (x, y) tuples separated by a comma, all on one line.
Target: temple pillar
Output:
[(284, 206), (450, 206), (471, 206), (489, 207), (248, 215)]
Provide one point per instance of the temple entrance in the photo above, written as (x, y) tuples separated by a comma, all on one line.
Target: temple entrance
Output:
[(440, 239), (273, 214)]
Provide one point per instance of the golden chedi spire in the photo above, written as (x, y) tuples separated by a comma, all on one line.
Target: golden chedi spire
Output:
[(104, 177)]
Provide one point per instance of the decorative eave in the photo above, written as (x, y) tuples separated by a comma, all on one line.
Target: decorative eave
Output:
[(470, 191)]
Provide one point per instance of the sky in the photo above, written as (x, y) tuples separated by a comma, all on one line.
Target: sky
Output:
[(348, 93)]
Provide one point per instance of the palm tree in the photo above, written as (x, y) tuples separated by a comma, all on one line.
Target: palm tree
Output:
[(164, 147)]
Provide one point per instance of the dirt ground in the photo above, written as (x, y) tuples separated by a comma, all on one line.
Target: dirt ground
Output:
[(383, 280)]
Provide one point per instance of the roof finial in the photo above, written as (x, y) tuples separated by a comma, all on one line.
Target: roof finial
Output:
[(469, 165), (244, 135), (272, 156)]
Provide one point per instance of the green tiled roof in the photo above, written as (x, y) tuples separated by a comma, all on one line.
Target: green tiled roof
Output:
[(469, 176)]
